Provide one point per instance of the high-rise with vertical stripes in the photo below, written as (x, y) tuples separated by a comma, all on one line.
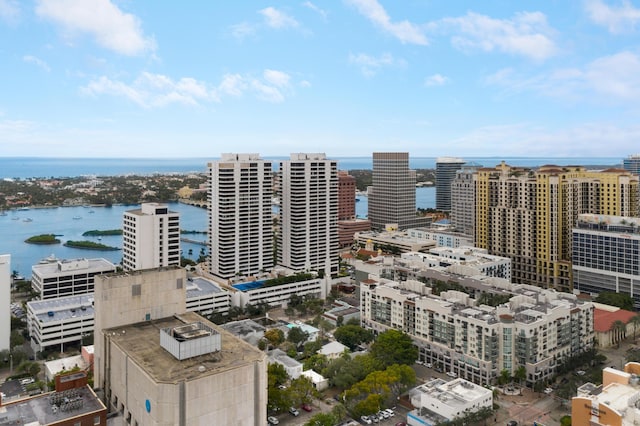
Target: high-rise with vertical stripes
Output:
[(308, 234), (240, 215), (392, 196)]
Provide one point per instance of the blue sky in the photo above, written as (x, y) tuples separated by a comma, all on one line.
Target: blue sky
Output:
[(436, 78)]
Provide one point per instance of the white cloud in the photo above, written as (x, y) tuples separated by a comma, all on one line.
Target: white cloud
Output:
[(157, 90), (404, 31), (9, 10), (154, 90), (606, 80), (616, 19), (275, 18), (36, 61), (242, 30), (316, 9), (526, 34), (370, 65), (105, 22), (436, 80), (531, 140), (277, 78)]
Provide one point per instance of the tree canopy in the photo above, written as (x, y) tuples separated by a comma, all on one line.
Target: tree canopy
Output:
[(352, 335), (622, 301), (394, 347)]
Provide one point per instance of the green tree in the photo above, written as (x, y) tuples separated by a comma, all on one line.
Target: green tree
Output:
[(275, 336), (622, 301), (520, 374), (565, 421), (297, 336), (16, 339), (504, 377), (394, 347), (352, 335), (301, 391), (276, 375), (316, 362), (322, 419)]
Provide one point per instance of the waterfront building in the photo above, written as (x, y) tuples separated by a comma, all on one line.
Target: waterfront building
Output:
[(52, 323), (392, 195), (5, 301), (54, 278), (308, 234), (463, 200), (444, 236), (605, 255), (537, 329), (180, 368), (614, 402), (439, 401), (632, 164), (528, 215), (240, 215), (150, 237), (446, 169)]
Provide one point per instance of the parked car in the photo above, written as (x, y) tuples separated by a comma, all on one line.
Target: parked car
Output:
[(306, 407), (366, 420), (401, 424), (390, 412), (451, 374), (273, 420), (294, 411), (383, 415), (548, 391), (428, 365), (512, 423)]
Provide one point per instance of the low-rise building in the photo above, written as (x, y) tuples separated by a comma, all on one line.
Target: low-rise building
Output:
[(291, 366), (389, 241), (76, 406), (604, 320), (55, 322), (206, 296), (247, 330), (261, 292), (333, 350), (443, 236), (615, 402), (348, 228), (59, 278), (439, 401), (318, 380), (82, 362)]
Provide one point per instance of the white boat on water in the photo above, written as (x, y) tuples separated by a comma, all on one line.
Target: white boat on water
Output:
[(77, 217), (27, 219)]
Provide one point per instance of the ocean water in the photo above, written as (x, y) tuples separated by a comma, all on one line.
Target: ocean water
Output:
[(69, 223), (39, 167)]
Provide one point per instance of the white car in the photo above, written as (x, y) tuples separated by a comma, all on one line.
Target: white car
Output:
[(548, 391), (451, 374), (366, 420), (390, 412), (273, 420)]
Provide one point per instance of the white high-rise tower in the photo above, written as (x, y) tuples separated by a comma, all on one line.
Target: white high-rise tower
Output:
[(308, 236), (240, 215), (5, 301), (150, 237)]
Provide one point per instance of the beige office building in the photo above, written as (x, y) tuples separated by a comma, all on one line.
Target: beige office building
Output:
[(159, 365)]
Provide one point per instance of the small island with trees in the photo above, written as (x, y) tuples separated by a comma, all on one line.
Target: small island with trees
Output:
[(98, 233), (43, 239), (89, 245)]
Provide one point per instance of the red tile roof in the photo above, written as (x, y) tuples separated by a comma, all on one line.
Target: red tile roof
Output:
[(602, 319)]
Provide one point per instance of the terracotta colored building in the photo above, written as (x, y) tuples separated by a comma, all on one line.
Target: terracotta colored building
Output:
[(346, 196)]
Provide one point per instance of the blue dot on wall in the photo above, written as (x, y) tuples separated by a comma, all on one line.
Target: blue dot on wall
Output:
[(147, 405)]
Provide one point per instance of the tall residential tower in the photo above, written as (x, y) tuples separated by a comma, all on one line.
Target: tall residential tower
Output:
[(528, 215), (240, 217), (308, 236), (446, 168), (150, 237)]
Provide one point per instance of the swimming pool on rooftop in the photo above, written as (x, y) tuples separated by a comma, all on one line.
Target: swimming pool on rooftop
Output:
[(251, 285)]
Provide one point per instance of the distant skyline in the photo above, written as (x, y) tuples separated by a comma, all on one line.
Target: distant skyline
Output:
[(105, 78)]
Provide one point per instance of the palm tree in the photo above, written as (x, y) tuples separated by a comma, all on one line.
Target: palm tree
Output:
[(636, 322), (520, 375), (618, 328)]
